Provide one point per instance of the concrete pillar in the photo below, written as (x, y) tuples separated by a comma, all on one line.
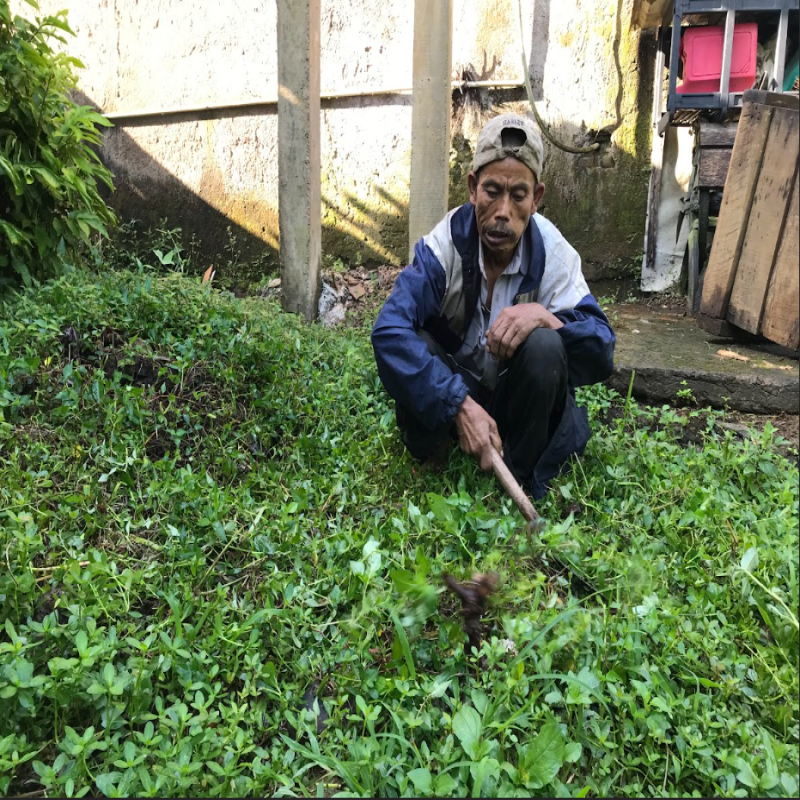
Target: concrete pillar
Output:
[(299, 205), (430, 118)]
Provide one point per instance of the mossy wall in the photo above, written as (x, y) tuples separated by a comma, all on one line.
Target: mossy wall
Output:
[(595, 84), (216, 174), (592, 78)]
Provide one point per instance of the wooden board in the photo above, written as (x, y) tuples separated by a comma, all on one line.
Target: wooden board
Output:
[(745, 165), (766, 221), (715, 134), (775, 99), (781, 322), (713, 167), (650, 13)]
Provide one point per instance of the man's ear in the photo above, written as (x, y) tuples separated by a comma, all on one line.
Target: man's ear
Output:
[(472, 183), (538, 195)]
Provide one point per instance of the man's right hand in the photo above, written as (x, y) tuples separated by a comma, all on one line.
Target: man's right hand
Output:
[(477, 433)]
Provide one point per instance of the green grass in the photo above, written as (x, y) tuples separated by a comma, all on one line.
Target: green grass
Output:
[(210, 534)]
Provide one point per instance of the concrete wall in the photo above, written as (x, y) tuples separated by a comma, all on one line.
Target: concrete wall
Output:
[(208, 171), (592, 73)]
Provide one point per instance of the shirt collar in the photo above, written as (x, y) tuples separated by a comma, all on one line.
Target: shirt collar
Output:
[(517, 265)]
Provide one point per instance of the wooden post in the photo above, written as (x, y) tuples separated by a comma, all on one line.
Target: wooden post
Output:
[(299, 203), (430, 118), (727, 54), (780, 51)]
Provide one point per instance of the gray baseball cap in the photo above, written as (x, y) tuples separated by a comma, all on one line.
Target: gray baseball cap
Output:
[(490, 146)]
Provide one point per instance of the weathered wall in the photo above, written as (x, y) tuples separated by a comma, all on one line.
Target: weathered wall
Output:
[(208, 171), (593, 73)]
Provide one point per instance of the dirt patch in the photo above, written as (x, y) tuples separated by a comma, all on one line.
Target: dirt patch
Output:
[(691, 432), (364, 291), (787, 427), (46, 604)]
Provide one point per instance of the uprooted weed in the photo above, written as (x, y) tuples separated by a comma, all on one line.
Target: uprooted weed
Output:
[(223, 576)]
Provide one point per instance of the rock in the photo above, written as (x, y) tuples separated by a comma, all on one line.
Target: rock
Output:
[(273, 288), (331, 307), (333, 317), (327, 299), (742, 431), (356, 290)]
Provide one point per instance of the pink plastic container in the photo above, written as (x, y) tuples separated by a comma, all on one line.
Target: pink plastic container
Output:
[(701, 54)]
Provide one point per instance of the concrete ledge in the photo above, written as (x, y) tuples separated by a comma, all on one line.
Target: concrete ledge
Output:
[(747, 393), (669, 352)]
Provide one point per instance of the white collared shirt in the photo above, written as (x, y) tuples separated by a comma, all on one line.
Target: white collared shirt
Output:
[(473, 356)]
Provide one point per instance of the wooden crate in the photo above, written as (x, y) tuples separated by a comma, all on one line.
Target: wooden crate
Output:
[(751, 281)]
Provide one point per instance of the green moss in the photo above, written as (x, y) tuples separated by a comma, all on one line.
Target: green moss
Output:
[(461, 155), (602, 208), (371, 229)]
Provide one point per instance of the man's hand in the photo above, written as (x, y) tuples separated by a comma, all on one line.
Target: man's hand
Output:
[(513, 326), (477, 433)]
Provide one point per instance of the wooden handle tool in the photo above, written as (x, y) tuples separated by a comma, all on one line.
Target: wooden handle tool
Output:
[(515, 492)]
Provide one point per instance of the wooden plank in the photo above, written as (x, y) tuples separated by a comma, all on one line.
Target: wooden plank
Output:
[(650, 13), (766, 221), (299, 202), (713, 167), (715, 134), (781, 321), (774, 99), (654, 192), (745, 165), (716, 327), (693, 267)]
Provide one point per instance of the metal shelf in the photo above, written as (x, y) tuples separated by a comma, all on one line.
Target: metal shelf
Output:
[(722, 100), (683, 7)]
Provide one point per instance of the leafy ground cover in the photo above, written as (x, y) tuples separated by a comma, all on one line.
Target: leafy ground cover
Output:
[(222, 576)]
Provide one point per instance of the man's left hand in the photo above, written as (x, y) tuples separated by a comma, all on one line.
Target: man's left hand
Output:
[(513, 326)]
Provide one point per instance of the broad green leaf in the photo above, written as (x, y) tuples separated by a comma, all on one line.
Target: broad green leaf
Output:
[(545, 755), (445, 785), (789, 784), (572, 752), (440, 685), (745, 774), (404, 645), (750, 559), (467, 728), (106, 782), (422, 780), (485, 768), (479, 700)]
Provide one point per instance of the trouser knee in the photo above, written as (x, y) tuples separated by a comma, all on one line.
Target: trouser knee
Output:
[(541, 360)]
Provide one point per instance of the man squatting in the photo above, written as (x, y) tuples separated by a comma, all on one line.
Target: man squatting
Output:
[(490, 329)]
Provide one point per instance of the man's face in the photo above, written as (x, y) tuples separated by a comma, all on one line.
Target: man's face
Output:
[(505, 197)]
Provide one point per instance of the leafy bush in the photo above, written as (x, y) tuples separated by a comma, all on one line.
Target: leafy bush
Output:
[(49, 203)]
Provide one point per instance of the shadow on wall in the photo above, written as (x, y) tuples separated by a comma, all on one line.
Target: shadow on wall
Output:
[(354, 229), (375, 235), (146, 191), (369, 227)]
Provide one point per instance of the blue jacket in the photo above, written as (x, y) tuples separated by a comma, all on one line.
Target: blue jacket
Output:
[(438, 292)]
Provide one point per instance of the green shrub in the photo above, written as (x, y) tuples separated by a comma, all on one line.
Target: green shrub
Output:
[(49, 203)]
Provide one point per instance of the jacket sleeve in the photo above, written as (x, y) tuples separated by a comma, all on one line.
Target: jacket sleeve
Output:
[(415, 378), (589, 342)]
